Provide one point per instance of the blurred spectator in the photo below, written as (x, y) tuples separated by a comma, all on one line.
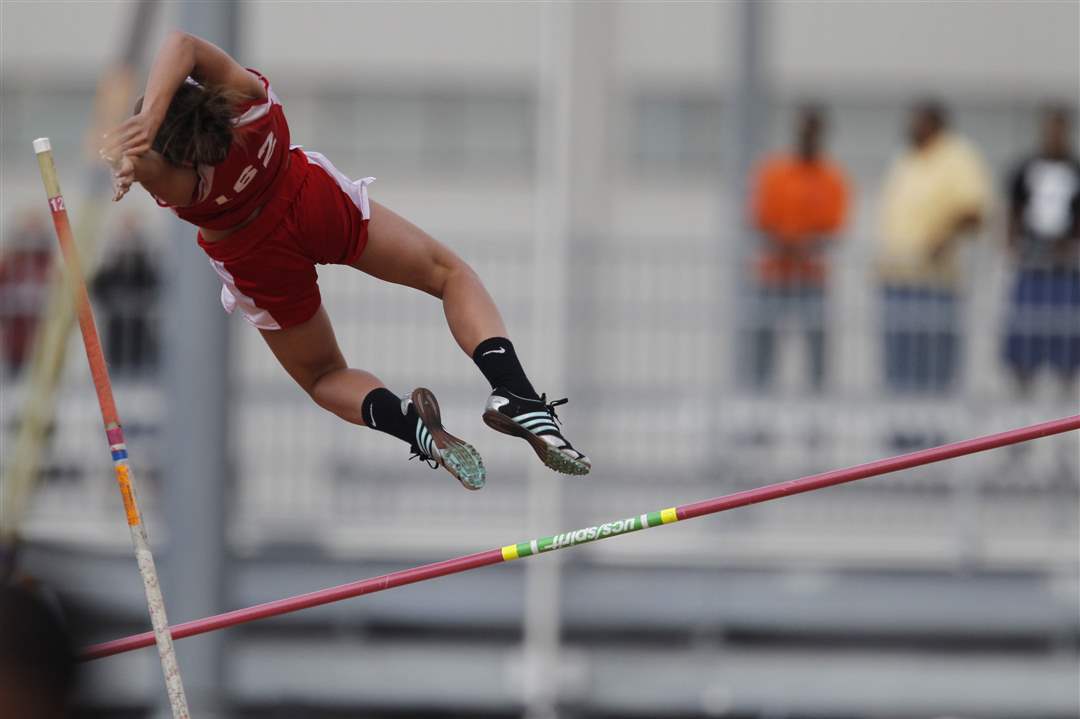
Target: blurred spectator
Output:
[(24, 274), (1044, 237), (799, 202), (126, 293), (37, 660), (935, 193)]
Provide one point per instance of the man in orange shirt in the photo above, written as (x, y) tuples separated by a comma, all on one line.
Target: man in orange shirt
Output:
[(799, 202)]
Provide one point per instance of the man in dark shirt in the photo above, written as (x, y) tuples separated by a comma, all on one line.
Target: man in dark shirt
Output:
[(1043, 325), (126, 292)]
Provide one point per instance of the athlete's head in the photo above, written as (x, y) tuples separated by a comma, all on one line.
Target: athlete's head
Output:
[(198, 126)]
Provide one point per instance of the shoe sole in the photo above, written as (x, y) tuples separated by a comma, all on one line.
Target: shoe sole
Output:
[(550, 456), (459, 458)]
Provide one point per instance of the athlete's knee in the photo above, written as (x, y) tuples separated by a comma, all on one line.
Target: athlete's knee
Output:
[(323, 394), (316, 374), (446, 269)]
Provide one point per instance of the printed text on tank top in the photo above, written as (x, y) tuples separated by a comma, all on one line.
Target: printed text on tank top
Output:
[(218, 235)]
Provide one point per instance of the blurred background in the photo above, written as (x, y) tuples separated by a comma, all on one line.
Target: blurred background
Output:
[(750, 241)]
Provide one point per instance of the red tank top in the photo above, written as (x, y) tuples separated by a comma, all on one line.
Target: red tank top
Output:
[(227, 193)]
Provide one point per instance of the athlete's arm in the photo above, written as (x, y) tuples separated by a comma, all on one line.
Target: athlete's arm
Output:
[(181, 55), (167, 182)]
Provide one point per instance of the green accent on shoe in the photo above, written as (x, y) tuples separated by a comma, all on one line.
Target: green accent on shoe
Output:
[(464, 462)]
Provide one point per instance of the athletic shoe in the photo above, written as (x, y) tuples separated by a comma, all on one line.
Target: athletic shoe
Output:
[(439, 448), (535, 421)]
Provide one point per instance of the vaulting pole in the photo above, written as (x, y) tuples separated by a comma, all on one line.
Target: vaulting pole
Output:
[(589, 534), (113, 432)]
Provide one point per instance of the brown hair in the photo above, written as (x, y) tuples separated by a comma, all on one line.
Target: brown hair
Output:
[(198, 126)]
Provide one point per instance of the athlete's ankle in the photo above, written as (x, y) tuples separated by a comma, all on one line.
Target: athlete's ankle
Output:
[(383, 411), (499, 363)]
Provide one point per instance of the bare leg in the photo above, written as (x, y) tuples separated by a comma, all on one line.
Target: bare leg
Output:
[(309, 353), (400, 252)]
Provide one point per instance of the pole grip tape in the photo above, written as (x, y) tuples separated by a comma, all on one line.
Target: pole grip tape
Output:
[(127, 493), (115, 434)]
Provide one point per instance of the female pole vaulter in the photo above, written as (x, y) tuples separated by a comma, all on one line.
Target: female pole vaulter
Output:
[(209, 141)]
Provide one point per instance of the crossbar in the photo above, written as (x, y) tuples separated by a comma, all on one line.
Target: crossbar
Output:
[(589, 534)]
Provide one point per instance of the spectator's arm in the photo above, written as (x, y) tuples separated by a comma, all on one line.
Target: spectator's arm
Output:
[(1012, 231), (835, 212), (964, 223), (968, 221), (1074, 206), (1018, 199), (1070, 248), (1076, 215), (971, 190), (968, 218), (887, 213), (760, 204), (970, 196)]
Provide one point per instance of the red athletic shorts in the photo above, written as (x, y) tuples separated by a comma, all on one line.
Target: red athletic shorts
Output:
[(267, 268)]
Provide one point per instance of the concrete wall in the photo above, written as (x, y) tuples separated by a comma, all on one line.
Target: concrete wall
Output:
[(1003, 47), (999, 47)]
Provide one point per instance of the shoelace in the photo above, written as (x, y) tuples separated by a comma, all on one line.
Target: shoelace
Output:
[(429, 461), (550, 406)]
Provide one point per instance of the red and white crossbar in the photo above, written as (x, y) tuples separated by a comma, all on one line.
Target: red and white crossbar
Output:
[(589, 534)]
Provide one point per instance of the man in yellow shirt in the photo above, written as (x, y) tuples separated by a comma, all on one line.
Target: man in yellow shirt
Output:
[(934, 195)]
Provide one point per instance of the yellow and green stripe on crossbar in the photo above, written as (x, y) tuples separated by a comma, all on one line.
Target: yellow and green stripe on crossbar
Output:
[(589, 534)]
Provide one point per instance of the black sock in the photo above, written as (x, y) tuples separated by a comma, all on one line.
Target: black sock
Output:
[(496, 358), (381, 410)]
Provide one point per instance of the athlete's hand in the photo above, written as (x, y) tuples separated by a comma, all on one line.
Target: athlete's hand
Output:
[(132, 137), (123, 175)]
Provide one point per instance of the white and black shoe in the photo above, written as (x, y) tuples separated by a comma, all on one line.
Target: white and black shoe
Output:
[(535, 421), (434, 445)]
